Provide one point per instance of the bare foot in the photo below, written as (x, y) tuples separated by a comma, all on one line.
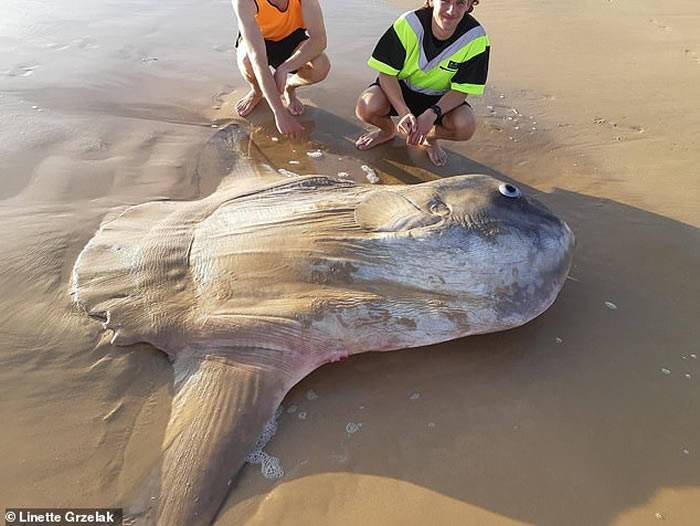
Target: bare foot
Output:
[(436, 154), (374, 138), (294, 105), (247, 104)]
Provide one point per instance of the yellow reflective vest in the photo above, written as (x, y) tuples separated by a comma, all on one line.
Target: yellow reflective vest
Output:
[(433, 77)]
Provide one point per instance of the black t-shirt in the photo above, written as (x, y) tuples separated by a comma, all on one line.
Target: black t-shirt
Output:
[(391, 52)]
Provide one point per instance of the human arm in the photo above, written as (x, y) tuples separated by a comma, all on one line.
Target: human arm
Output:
[(470, 79), (254, 44), (388, 59), (426, 120), (310, 48), (392, 89)]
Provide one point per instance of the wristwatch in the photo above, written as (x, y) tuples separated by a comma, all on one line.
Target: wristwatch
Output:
[(437, 110)]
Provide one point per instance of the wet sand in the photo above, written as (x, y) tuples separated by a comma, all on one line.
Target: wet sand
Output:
[(588, 415)]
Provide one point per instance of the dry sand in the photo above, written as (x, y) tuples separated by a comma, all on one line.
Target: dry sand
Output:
[(588, 415)]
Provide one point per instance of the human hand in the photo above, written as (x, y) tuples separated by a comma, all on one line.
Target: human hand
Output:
[(424, 124), (289, 125), (406, 124)]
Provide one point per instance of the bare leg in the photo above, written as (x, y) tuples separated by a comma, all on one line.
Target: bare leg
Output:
[(310, 73), (373, 108), (457, 125), (248, 103)]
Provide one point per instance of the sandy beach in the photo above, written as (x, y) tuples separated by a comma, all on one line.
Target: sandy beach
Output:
[(586, 416)]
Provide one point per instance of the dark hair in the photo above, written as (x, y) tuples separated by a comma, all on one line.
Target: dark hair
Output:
[(476, 2)]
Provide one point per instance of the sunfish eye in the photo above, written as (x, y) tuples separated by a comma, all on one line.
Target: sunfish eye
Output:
[(509, 190), (437, 207)]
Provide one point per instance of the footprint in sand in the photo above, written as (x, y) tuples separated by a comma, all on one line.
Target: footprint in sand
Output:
[(600, 121), (56, 46), (85, 43), (224, 48), (692, 55), (219, 100), (662, 27), (21, 70)]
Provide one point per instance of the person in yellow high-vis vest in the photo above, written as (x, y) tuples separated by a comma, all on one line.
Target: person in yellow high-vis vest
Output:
[(290, 37), (428, 61)]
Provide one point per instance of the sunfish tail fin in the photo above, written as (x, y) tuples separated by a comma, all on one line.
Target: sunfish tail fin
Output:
[(219, 410)]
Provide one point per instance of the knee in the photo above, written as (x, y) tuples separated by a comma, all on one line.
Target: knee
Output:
[(463, 125), (316, 70), (322, 66), (363, 107), (368, 106)]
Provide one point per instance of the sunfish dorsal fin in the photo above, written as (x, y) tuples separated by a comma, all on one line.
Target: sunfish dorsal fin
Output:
[(220, 407), (231, 158)]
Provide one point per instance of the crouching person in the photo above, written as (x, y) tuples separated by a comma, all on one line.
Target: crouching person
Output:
[(290, 37), (428, 61)]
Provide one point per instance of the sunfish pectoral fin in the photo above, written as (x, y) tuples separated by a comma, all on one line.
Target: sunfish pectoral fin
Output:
[(219, 409), (390, 211)]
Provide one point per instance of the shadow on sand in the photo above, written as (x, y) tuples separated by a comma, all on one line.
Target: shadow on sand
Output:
[(567, 420), (571, 419)]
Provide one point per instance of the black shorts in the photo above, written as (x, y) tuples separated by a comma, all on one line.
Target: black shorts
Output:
[(416, 102), (280, 50)]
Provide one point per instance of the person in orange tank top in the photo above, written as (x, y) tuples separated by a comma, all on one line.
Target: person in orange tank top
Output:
[(290, 37)]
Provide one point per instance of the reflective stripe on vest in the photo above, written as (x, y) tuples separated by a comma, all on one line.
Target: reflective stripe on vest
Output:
[(434, 77)]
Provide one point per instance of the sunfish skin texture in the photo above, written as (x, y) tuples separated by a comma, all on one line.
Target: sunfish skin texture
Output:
[(251, 288)]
